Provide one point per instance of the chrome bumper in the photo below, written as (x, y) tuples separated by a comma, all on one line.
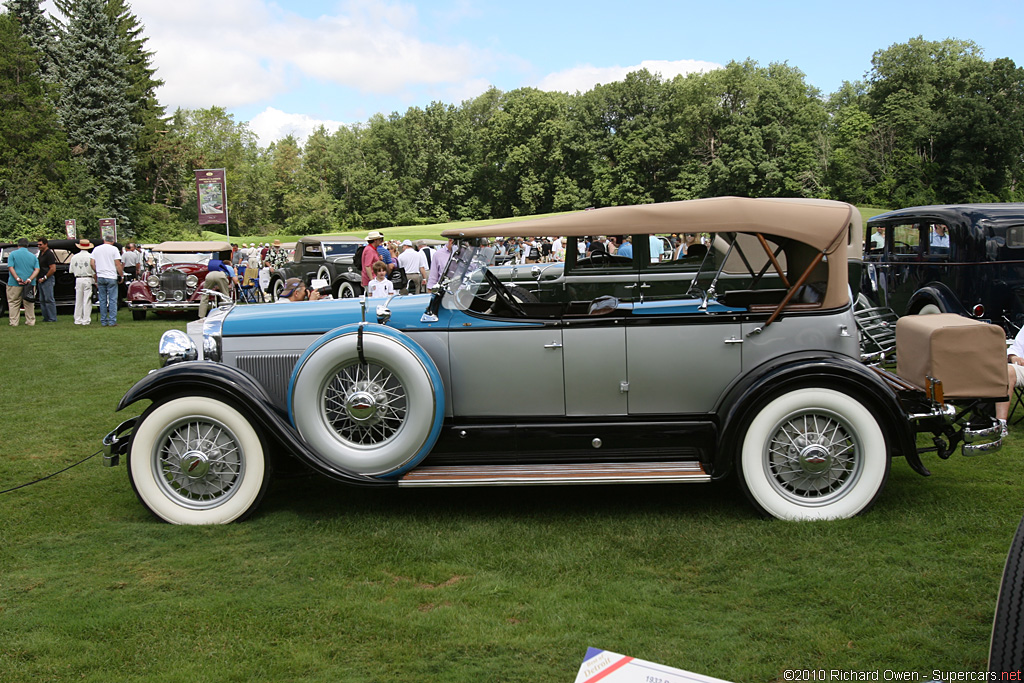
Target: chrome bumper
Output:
[(116, 442), (149, 305), (985, 440)]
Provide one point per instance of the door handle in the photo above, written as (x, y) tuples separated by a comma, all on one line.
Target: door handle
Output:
[(553, 345), (733, 340), (645, 286)]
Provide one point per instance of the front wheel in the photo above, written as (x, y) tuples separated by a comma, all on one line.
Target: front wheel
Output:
[(813, 454), (276, 287), (139, 315), (197, 460), (344, 290)]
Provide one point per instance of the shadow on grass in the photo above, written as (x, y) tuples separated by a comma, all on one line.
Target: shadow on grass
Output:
[(319, 498)]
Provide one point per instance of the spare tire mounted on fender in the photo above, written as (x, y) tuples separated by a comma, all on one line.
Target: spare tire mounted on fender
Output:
[(370, 403)]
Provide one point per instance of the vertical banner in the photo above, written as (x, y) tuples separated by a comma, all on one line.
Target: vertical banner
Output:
[(108, 227), (71, 229), (212, 196)]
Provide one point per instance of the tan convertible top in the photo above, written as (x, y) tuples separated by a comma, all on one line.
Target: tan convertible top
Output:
[(190, 247), (813, 221)]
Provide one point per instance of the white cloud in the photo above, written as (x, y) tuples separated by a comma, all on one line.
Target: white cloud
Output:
[(585, 77), (235, 52), (273, 124)]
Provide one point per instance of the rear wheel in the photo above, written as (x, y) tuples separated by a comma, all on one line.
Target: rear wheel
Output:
[(1006, 652), (813, 454), (197, 460), (139, 315), (344, 290)]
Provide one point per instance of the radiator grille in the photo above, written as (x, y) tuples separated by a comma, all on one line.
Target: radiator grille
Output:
[(271, 371), (172, 281)]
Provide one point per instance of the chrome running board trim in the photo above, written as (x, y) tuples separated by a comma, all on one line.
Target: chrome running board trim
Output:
[(576, 473)]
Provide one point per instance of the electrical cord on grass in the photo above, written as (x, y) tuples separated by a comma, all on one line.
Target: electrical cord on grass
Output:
[(52, 475)]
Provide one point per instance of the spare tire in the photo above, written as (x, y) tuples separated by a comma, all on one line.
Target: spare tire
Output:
[(369, 401)]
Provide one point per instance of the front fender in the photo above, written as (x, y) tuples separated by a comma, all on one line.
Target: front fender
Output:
[(834, 371), (238, 389)]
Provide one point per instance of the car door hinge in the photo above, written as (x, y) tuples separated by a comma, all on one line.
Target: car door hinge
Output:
[(623, 387)]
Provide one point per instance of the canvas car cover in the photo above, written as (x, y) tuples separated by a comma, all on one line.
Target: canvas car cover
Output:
[(968, 356)]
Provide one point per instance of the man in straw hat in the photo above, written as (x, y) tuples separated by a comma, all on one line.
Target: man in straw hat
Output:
[(373, 240), (81, 267)]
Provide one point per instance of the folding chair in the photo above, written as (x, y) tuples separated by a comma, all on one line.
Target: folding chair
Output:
[(247, 288)]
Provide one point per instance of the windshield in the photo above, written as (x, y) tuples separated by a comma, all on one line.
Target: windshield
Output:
[(164, 259), (467, 275)]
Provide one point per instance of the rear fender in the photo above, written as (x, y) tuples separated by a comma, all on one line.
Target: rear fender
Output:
[(833, 371)]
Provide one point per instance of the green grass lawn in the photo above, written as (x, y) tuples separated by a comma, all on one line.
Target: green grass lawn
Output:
[(330, 583)]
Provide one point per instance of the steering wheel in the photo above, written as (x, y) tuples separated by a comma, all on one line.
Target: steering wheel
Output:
[(502, 293)]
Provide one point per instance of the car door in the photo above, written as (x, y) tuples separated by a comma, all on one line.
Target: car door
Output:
[(680, 363), (507, 370)]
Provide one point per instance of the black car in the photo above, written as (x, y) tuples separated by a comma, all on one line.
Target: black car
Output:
[(63, 280), (324, 257), (962, 258)]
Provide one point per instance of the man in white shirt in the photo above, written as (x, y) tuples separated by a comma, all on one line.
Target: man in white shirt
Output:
[(414, 264), (81, 267), (106, 261)]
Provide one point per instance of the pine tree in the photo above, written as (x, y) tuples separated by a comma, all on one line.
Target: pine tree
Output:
[(39, 30), (95, 104)]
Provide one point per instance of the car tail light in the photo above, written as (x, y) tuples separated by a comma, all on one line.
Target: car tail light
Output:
[(978, 311)]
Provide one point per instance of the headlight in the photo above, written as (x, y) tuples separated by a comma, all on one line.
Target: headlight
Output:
[(212, 326), (160, 296), (153, 281), (191, 281), (179, 295), (175, 347)]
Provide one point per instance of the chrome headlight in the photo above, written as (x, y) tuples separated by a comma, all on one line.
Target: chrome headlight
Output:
[(153, 281), (175, 347), (179, 295), (213, 324), (160, 296), (191, 281)]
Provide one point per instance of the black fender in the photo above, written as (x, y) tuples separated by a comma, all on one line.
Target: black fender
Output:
[(940, 295), (242, 392), (834, 371)]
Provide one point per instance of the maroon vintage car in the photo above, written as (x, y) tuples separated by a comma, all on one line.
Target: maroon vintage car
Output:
[(173, 277)]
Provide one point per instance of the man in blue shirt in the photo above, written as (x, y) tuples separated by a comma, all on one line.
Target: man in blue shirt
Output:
[(23, 266), (625, 249)]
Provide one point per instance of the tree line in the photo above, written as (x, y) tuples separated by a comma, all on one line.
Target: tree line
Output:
[(83, 136)]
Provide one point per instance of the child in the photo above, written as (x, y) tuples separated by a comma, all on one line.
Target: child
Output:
[(380, 285)]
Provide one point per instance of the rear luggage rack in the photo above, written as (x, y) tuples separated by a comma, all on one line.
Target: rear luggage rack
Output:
[(877, 328)]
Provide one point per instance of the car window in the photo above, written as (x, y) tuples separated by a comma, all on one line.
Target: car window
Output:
[(906, 240), (683, 251), (340, 248), (937, 236), (312, 250), (1015, 236)]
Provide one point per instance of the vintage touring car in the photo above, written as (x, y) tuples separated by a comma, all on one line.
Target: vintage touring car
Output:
[(740, 360), (173, 280)]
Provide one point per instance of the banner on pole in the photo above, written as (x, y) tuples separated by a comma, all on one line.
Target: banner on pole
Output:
[(212, 196), (71, 229), (108, 227)]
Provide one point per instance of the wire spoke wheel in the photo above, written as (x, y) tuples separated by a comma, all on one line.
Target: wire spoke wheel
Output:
[(813, 453), (365, 404), (812, 456), (198, 462)]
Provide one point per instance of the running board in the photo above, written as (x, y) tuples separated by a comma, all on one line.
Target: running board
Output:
[(578, 473)]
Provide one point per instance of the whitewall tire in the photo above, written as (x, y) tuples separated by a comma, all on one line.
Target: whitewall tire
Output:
[(378, 418), (324, 273), (813, 454), (345, 290), (197, 460), (929, 309)]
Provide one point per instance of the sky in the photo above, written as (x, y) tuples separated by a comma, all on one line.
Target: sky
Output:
[(287, 67)]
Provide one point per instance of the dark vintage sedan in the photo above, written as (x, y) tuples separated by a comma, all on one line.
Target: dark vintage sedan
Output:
[(963, 258), (323, 257), (741, 361), (173, 276)]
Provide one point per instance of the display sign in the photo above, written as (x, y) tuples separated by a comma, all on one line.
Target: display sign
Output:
[(608, 667), (212, 196), (108, 228), (70, 227)]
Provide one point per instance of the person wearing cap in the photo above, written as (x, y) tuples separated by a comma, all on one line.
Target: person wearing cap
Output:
[(295, 290), (414, 263), (81, 267), (373, 240), (23, 266)]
